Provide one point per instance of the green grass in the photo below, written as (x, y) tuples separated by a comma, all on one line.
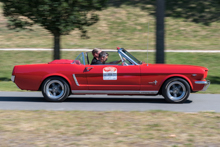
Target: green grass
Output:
[(8, 59), (125, 27), (108, 129), (8, 86)]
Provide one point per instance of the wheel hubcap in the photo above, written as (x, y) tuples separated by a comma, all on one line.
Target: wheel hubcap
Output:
[(54, 89), (176, 90)]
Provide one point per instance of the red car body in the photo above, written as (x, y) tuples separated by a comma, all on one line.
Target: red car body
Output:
[(132, 79)]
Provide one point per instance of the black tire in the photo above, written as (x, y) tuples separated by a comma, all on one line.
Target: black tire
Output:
[(176, 90), (55, 89)]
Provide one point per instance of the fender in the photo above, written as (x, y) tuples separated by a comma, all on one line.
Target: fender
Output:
[(177, 75), (59, 75)]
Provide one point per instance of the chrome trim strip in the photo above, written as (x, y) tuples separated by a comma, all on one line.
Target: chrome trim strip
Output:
[(13, 78), (206, 87), (201, 82), (206, 83), (74, 77), (114, 92), (154, 82)]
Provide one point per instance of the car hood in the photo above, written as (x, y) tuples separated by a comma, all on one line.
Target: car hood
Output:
[(175, 68)]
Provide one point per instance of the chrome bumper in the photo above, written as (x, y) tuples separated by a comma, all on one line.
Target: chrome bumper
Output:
[(13, 78), (206, 83)]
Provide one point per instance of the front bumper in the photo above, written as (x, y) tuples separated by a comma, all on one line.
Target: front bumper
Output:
[(206, 83)]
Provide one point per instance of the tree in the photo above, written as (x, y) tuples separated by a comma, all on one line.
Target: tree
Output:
[(197, 11), (59, 17)]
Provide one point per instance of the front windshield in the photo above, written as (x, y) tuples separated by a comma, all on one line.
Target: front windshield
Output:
[(132, 57)]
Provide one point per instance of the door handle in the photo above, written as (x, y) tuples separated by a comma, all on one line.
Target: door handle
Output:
[(89, 68)]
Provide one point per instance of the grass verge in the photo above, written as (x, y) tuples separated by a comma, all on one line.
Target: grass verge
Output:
[(124, 26), (107, 129), (8, 59)]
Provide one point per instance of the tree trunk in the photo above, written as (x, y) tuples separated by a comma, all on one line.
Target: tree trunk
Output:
[(56, 53), (160, 31)]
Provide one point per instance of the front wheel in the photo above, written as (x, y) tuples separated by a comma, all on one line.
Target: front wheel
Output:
[(55, 89), (176, 90)]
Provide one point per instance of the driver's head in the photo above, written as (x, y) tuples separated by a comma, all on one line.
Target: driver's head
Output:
[(96, 52), (103, 56)]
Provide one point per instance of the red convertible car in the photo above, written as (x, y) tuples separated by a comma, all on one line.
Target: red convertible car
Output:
[(60, 78)]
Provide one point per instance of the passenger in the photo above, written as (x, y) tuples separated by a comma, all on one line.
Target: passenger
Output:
[(103, 57), (95, 53)]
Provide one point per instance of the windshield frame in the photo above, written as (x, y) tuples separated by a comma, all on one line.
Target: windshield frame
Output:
[(130, 57)]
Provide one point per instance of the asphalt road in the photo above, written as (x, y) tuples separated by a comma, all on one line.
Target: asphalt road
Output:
[(35, 101)]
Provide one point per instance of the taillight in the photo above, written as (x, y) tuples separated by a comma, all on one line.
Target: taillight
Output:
[(13, 72), (205, 74)]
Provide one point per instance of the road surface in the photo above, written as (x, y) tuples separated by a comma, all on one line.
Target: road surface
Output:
[(35, 101)]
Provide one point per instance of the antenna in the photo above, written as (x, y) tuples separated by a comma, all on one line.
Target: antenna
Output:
[(147, 41)]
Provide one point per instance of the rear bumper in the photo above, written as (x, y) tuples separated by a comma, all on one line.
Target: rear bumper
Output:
[(13, 78), (206, 83)]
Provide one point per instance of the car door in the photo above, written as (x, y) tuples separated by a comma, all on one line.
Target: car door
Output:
[(113, 77), (78, 74), (151, 77)]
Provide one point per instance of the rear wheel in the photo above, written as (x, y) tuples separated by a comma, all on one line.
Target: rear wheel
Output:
[(55, 89), (176, 90)]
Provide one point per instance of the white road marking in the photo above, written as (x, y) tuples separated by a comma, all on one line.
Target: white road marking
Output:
[(72, 50)]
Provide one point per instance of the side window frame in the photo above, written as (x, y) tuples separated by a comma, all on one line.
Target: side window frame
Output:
[(83, 56)]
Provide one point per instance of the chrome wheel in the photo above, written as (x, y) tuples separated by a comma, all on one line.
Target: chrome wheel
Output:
[(54, 89), (176, 90)]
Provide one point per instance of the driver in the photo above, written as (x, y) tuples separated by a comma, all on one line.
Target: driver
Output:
[(103, 57), (95, 53)]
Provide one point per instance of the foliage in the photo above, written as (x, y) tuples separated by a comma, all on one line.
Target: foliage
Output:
[(125, 27), (59, 17), (198, 11)]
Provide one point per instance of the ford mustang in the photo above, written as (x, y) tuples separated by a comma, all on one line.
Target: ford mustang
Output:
[(60, 78)]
